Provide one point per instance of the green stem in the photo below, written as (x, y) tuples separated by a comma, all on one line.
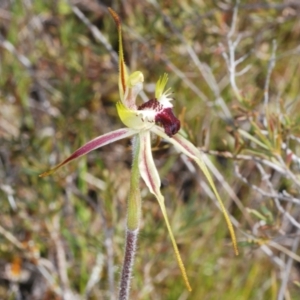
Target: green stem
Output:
[(134, 200), (133, 222)]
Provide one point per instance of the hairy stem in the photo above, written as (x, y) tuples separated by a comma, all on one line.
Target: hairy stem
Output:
[(131, 241)]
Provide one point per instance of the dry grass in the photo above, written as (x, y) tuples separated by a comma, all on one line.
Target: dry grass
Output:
[(62, 237)]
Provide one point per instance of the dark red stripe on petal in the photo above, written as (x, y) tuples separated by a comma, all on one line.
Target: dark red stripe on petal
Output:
[(187, 145), (145, 158), (147, 168), (94, 144), (97, 142)]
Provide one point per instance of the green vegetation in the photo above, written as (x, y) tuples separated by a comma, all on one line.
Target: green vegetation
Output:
[(58, 89)]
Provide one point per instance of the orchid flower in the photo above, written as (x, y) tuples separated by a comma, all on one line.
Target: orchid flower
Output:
[(152, 117)]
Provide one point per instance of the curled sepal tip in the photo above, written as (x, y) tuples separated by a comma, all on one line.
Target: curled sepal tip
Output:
[(122, 67), (51, 171)]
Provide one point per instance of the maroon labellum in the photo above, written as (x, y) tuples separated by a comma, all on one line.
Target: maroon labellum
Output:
[(164, 116)]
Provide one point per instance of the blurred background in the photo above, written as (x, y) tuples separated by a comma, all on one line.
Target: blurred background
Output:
[(235, 73)]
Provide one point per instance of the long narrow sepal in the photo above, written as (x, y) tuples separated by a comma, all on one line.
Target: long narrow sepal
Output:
[(151, 177), (94, 144), (186, 147), (122, 67), (177, 254)]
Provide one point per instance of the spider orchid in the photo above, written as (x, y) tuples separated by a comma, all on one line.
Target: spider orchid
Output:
[(154, 116)]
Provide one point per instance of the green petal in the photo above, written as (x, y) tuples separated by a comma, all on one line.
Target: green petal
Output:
[(133, 118), (186, 147), (129, 117), (150, 175)]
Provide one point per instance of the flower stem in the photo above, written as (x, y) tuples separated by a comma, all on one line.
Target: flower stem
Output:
[(133, 222), (131, 241), (134, 199)]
